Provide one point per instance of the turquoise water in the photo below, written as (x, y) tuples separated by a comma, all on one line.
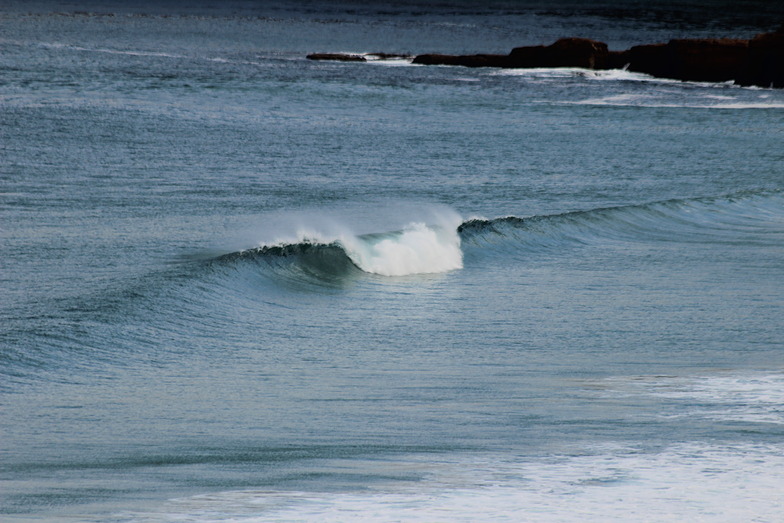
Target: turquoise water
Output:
[(241, 285)]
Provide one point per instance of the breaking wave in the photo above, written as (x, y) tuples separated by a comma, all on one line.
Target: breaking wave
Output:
[(754, 218), (316, 262), (418, 248)]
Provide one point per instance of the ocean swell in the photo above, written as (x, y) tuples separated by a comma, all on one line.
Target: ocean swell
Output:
[(742, 219), (752, 218)]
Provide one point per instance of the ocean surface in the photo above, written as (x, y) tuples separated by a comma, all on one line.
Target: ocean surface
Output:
[(240, 285)]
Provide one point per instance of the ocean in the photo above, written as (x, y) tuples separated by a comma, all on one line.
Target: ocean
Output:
[(240, 285)]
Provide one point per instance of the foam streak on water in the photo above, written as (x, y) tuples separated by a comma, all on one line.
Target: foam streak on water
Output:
[(711, 483), (684, 481)]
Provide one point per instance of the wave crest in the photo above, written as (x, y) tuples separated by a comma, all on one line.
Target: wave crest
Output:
[(418, 248)]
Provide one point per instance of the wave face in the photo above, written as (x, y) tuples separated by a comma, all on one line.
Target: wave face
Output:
[(746, 218)]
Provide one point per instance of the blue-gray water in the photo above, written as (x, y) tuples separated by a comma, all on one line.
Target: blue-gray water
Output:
[(241, 285)]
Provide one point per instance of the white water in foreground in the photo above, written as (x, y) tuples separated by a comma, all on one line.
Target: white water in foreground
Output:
[(688, 482)]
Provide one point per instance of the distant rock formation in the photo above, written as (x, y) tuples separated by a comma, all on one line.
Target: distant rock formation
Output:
[(696, 60), (347, 57), (764, 64), (757, 62), (566, 52), (340, 57), (472, 60)]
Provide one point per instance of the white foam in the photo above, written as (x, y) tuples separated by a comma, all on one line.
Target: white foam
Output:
[(755, 398), (625, 99), (688, 482), (749, 105), (389, 62), (419, 247), (661, 101), (636, 100), (546, 72), (579, 72), (57, 45), (623, 74)]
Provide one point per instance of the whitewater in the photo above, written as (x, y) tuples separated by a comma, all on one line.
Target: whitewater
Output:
[(418, 248), (241, 285)]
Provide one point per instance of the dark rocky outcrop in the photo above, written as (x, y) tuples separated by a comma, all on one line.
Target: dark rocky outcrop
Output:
[(473, 60), (696, 60), (566, 52), (340, 57), (759, 61), (764, 66)]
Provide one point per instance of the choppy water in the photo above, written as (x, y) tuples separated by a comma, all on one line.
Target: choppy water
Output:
[(241, 285)]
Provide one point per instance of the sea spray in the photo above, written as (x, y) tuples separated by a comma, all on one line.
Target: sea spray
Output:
[(428, 243), (417, 249)]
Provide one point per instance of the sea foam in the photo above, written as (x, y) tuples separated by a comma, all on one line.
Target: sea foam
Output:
[(688, 481), (417, 249)]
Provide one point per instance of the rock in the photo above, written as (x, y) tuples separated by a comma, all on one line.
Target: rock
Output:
[(474, 60), (566, 52), (708, 60), (617, 59), (695, 60), (341, 57), (764, 66), (528, 57), (759, 61), (649, 59)]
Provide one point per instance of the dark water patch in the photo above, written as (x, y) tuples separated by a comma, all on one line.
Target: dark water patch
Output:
[(257, 457), (57, 498)]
